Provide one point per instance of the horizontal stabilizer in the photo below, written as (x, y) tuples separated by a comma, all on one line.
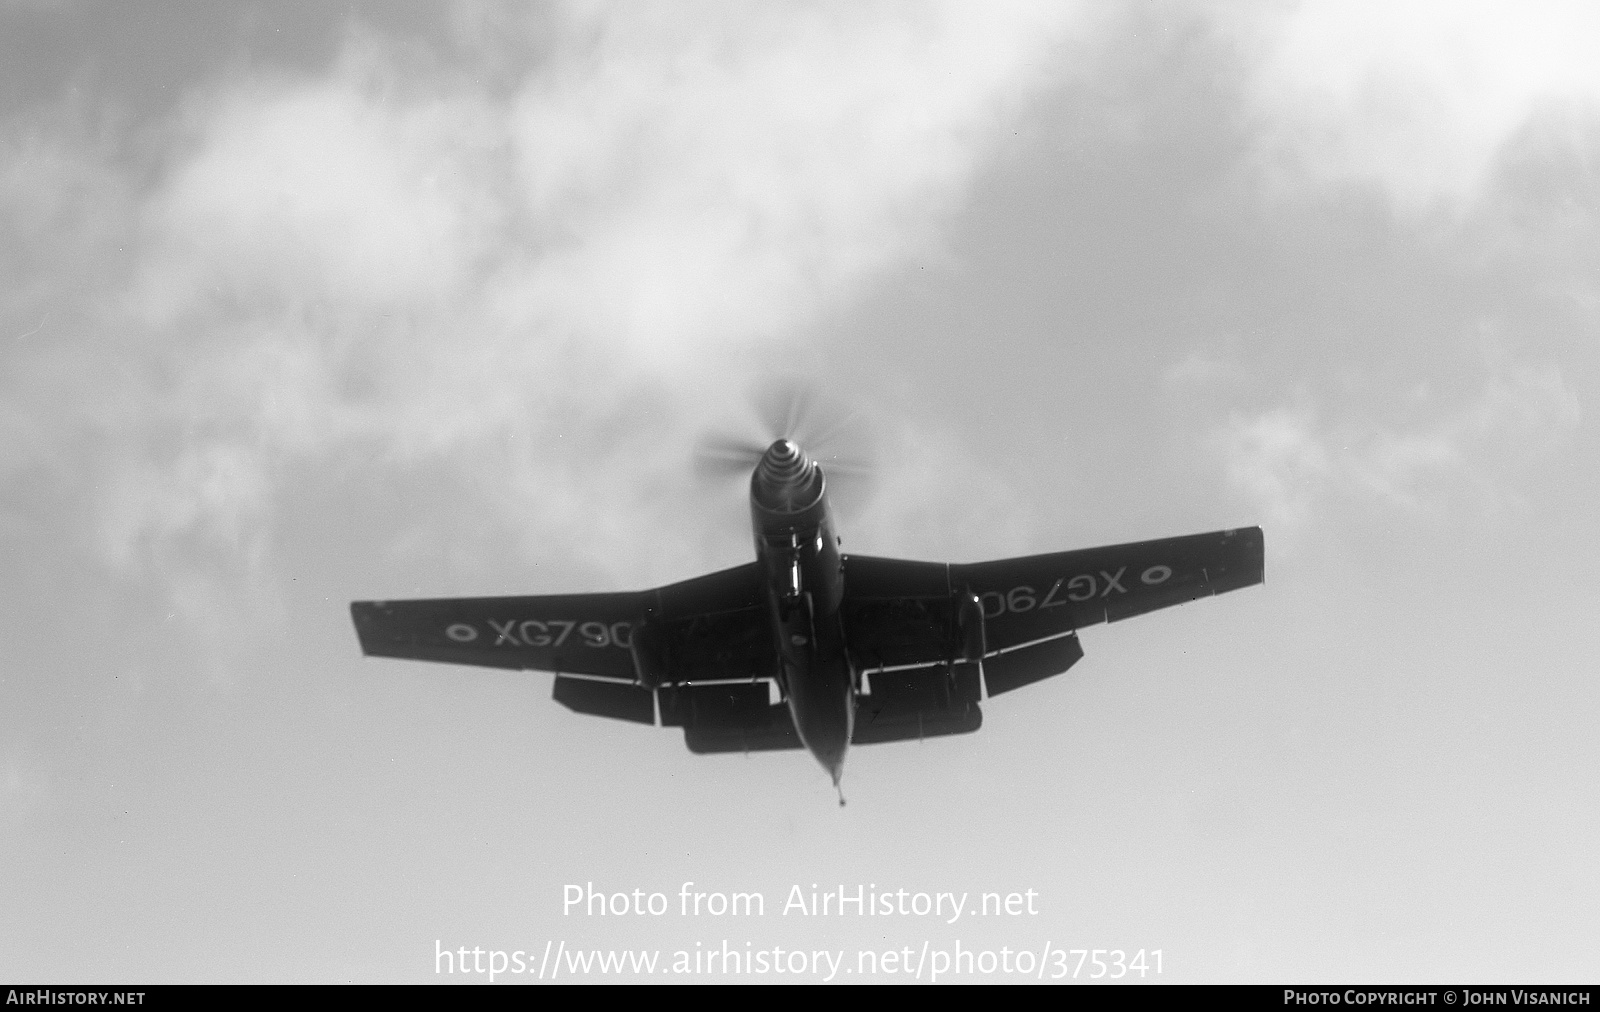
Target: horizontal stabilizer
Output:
[(606, 699), (918, 703), (1013, 669), (730, 717), (779, 734), (935, 689)]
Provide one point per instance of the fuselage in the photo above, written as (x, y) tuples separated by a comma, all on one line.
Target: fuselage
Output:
[(798, 552)]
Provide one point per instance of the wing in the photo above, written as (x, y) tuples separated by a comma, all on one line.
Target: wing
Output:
[(708, 647), (708, 628), (906, 616), (702, 646), (903, 626), (586, 634), (1040, 596)]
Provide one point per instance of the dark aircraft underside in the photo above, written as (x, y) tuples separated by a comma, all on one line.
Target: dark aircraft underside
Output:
[(699, 654), (806, 647)]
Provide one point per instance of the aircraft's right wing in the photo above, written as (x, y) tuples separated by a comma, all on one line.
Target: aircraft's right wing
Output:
[(697, 654), (709, 641), (584, 634)]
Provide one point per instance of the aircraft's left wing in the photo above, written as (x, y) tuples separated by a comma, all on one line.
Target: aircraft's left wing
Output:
[(1039, 596), (904, 619)]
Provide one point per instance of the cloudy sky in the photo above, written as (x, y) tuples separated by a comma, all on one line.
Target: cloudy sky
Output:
[(303, 303)]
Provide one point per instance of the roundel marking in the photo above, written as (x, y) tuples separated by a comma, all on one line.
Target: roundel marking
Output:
[(461, 632), (1155, 575)]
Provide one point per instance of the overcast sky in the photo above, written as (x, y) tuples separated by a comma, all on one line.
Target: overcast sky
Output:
[(301, 304)]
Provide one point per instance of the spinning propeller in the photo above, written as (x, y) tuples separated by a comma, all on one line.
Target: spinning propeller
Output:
[(833, 436)]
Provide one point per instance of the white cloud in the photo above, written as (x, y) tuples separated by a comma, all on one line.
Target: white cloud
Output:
[(1200, 369), (329, 188), (1279, 460), (553, 276), (1417, 98), (1292, 462)]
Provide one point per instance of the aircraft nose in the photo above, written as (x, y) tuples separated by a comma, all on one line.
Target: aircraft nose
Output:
[(785, 479)]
